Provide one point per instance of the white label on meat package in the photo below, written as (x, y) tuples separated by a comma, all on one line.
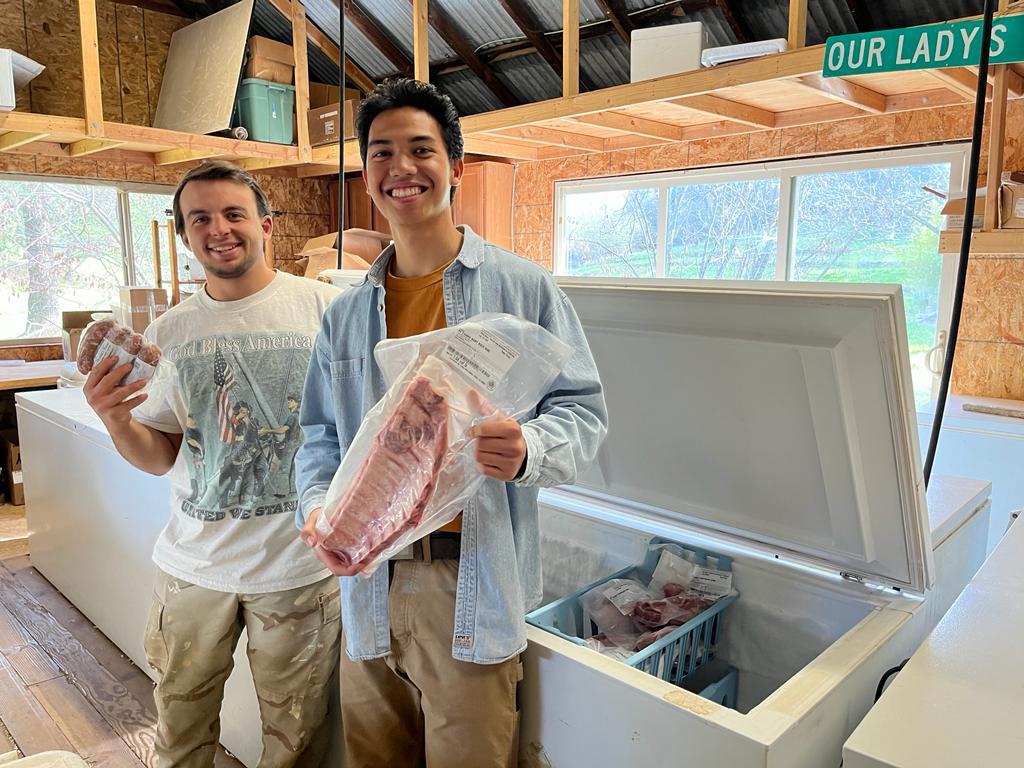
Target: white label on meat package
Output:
[(710, 582), (107, 348), (483, 357), (624, 597)]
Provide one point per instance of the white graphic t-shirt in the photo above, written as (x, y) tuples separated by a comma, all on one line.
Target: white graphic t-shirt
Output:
[(232, 386)]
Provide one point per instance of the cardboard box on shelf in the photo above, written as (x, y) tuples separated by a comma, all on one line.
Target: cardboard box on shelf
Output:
[(71, 326), (138, 307), (328, 123), (364, 243), (270, 60), (321, 94), (12, 466), (956, 207), (1011, 204)]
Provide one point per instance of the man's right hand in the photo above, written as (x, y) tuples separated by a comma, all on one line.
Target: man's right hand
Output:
[(112, 403), (310, 537)]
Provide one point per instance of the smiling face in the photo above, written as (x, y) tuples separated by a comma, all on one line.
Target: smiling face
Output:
[(408, 173), (223, 227)]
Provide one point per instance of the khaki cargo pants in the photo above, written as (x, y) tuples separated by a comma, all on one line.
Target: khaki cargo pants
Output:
[(292, 650), (419, 706)]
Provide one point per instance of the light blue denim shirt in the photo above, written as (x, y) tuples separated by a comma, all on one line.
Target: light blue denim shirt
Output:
[(499, 571)]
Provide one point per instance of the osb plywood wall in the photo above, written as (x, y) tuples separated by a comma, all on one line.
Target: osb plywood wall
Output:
[(133, 48), (990, 352)]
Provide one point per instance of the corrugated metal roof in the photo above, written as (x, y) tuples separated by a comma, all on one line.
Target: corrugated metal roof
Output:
[(365, 54), (605, 58), (530, 77), (394, 17), (468, 92)]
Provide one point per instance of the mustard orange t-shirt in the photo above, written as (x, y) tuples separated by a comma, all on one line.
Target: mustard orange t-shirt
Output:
[(415, 305)]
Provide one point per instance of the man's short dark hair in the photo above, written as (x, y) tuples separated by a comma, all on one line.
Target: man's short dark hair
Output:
[(216, 170), (398, 92)]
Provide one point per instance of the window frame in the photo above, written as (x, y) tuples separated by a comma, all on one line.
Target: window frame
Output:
[(123, 189), (787, 171)]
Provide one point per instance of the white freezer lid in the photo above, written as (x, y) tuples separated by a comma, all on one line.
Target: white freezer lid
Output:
[(778, 414)]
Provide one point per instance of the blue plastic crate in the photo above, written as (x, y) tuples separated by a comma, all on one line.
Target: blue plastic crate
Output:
[(672, 658)]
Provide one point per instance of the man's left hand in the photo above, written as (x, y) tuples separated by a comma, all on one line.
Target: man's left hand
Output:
[(500, 448)]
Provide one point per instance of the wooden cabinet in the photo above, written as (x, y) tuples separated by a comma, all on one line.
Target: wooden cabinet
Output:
[(360, 212), (483, 201)]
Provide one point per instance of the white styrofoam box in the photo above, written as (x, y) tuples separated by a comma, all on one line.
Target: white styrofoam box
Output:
[(668, 50), (16, 71)]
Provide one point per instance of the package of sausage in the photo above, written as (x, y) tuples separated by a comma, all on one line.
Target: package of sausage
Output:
[(108, 338)]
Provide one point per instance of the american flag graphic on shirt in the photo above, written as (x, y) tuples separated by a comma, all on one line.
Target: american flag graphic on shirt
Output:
[(223, 380)]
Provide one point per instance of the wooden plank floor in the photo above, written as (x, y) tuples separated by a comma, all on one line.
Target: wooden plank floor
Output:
[(64, 685)]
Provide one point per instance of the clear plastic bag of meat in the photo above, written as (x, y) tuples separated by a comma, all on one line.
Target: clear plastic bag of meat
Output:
[(410, 468), (610, 606), (108, 338)]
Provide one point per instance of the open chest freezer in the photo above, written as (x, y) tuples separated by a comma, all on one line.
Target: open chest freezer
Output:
[(774, 424)]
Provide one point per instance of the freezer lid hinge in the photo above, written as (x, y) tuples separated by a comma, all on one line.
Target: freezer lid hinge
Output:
[(852, 577)]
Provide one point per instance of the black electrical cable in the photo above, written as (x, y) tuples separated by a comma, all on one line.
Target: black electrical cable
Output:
[(885, 678), (965, 240), (341, 136)]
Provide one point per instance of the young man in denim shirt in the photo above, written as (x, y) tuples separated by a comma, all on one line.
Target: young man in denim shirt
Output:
[(433, 642)]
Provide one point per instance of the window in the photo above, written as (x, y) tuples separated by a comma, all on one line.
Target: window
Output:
[(865, 218), (68, 246)]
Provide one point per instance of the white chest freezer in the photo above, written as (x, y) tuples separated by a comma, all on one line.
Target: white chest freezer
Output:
[(773, 423)]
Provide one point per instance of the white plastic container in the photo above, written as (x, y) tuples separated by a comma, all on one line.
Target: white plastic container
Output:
[(668, 50)]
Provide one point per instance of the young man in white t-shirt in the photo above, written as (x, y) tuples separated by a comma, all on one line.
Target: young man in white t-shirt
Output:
[(234, 355)]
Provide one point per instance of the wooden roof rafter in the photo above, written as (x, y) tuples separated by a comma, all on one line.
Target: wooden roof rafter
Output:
[(449, 32), (523, 17), (381, 40), (616, 13)]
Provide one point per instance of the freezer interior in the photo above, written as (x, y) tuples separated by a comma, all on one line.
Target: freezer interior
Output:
[(771, 423), (784, 619)]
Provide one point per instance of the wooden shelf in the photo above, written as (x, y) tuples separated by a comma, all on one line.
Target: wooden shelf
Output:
[(992, 242)]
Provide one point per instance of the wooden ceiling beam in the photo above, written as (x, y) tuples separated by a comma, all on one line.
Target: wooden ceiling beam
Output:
[(523, 17), (730, 110), (445, 27), (638, 126), (381, 41), (797, 37), (14, 139), (570, 47), (553, 137), (361, 80), (616, 13), (479, 144), (845, 91), (959, 81), (421, 40), (91, 146), (1014, 82)]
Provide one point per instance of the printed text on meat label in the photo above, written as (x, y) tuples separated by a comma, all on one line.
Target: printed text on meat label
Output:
[(483, 357)]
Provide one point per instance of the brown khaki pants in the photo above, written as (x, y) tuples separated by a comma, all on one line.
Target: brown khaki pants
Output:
[(292, 650), (419, 705)]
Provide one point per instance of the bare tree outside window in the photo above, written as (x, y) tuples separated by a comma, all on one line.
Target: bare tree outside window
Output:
[(725, 231), (612, 234), (879, 225), (60, 250)]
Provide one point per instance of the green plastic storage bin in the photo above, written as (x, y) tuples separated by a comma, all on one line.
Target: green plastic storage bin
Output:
[(265, 110)]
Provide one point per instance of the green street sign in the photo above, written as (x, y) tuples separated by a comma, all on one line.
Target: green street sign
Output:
[(930, 47)]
